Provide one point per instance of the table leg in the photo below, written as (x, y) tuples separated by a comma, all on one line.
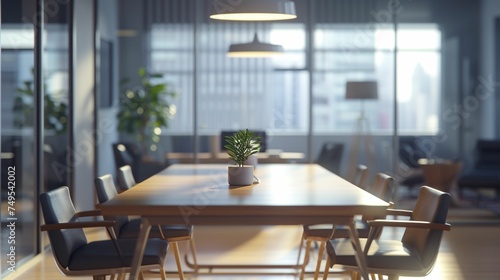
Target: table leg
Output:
[(139, 249), (360, 256)]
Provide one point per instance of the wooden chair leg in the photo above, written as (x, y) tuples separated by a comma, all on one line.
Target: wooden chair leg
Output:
[(141, 275), (320, 258), (327, 269), (300, 248), (193, 253), (163, 274), (306, 259), (355, 275), (112, 277), (178, 260)]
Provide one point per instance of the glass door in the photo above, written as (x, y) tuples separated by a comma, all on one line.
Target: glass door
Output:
[(18, 185)]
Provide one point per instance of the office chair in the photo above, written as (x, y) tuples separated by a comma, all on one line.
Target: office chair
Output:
[(382, 188), (126, 228), (414, 255), (75, 256), (330, 156)]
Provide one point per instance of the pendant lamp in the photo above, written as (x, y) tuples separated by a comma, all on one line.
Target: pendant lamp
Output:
[(253, 10), (254, 49)]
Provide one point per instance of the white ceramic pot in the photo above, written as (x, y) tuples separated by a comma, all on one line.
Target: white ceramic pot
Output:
[(252, 160), (240, 176)]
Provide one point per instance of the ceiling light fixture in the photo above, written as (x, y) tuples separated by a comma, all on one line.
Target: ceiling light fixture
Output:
[(253, 10), (254, 49)]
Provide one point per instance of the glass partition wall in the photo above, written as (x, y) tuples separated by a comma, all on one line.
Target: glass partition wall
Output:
[(18, 196), (56, 89), (28, 143), (297, 97)]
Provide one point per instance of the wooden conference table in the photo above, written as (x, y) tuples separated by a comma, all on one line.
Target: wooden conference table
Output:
[(288, 194)]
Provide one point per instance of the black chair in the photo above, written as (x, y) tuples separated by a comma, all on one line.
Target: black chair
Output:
[(414, 255), (126, 228), (360, 176), (382, 188), (75, 256), (126, 179), (410, 152), (131, 154), (330, 156), (486, 171)]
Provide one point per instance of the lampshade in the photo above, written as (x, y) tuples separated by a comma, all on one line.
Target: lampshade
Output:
[(253, 10), (361, 90), (254, 49)]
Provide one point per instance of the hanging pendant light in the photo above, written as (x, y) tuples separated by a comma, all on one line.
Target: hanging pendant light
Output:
[(254, 49), (253, 10)]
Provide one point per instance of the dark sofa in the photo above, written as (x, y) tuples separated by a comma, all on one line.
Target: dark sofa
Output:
[(486, 171)]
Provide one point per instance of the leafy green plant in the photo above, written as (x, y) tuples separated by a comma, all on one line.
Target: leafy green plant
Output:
[(55, 109), (241, 145), (145, 109)]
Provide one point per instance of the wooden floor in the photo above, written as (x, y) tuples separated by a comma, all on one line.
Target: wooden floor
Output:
[(467, 252)]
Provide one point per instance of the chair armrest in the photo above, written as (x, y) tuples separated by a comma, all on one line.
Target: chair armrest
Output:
[(77, 225), (399, 212), (89, 213), (409, 224), (377, 225)]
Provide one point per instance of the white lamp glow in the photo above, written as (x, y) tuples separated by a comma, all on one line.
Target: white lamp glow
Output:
[(254, 49), (253, 10)]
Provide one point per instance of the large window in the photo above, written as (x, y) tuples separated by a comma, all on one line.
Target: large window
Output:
[(234, 93), (273, 93), (350, 52)]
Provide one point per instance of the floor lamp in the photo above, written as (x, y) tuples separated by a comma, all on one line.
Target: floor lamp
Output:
[(362, 139)]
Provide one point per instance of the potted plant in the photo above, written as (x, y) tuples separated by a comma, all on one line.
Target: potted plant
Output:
[(145, 109), (240, 146)]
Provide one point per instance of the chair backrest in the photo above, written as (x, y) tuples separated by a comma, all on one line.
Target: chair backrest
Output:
[(330, 156), (410, 151), (106, 190), (57, 207), (126, 178), (126, 154), (432, 206), (382, 186), (360, 176)]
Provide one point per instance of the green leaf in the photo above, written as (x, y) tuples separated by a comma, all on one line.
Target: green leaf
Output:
[(241, 145), (142, 72)]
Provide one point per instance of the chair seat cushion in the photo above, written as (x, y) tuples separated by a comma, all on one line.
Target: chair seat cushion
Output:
[(325, 230), (131, 230), (383, 254), (103, 254)]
